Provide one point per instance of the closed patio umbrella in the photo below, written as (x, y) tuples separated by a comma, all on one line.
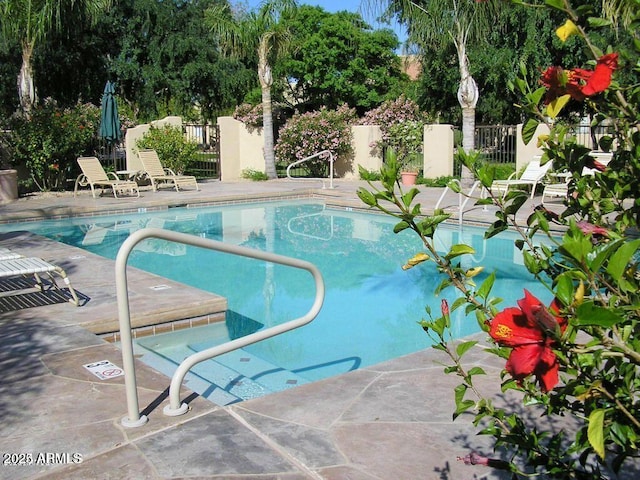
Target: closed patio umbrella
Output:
[(109, 120)]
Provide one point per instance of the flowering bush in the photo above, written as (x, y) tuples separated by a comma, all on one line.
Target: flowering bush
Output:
[(397, 119), (250, 115), (309, 133), (174, 150), (576, 361), (48, 142)]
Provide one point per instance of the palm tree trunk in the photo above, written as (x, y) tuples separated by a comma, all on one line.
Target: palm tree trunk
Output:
[(267, 132), (266, 80), (26, 88), (467, 97)]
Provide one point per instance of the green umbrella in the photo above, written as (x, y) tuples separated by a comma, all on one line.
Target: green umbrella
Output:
[(109, 121)]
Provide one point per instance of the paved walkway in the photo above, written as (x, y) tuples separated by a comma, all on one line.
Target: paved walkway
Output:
[(389, 421)]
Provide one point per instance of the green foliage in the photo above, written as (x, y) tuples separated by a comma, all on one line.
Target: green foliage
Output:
[(578, 360), (307, 134), (336, 58), (48, 142), (254, 175), (174, 150)]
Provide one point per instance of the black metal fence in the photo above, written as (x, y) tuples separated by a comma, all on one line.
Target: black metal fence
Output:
[(497, 142)]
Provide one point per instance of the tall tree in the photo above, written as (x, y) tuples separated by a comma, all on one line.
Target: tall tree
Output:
[(30, 21), (339, 59), (262, 32), (440, 22)]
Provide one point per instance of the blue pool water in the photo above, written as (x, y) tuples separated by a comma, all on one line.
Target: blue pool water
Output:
[(371, 306)]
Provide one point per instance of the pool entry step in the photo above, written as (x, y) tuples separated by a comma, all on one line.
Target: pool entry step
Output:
[(227, 379)]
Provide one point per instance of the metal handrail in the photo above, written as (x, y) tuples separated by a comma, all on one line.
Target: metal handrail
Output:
[(323, 152), (461, 204), (134, 419)]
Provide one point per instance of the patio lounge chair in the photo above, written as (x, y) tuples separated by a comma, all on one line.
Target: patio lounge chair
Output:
[(533, 174), (6, 254), (161, 176), (561, 189), (94, 175), (35, 266)]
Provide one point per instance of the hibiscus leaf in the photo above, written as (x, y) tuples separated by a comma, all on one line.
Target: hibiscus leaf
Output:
[(590, 314), (400, 227), (620, 259), (476, 371), (595, 431), (462, 405), (463, 347), (487, 285), (459, 249), (564, 289), (556, 105), (529, 129), (367, 197), (408, 197), (559, 4)]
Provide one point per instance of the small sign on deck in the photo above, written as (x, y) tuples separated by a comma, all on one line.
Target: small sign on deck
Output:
[(104, 369)]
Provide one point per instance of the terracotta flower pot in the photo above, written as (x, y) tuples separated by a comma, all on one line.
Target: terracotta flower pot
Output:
[(408, 178)]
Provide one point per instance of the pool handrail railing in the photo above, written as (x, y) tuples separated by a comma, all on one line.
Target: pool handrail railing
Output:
[(298, 162), (133, 418)]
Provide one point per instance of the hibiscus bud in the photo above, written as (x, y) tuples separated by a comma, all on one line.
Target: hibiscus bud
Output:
[(444, 306), (579, 295), (474, 459)]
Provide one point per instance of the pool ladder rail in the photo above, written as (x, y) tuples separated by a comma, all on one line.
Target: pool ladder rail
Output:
[(461, 203), (175, 407), (323, 153)]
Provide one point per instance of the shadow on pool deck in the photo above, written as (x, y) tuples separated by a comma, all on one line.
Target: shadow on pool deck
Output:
[(388, 421)]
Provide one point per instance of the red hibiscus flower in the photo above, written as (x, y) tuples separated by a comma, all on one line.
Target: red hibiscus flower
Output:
[(579, 83), (531, 331)]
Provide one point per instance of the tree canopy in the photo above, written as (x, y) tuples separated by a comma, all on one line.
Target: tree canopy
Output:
[(337, 58)]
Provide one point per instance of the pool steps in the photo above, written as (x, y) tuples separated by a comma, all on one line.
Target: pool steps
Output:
[(230, 378)]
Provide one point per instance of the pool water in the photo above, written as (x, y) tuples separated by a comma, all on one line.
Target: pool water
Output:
[(371, 306)]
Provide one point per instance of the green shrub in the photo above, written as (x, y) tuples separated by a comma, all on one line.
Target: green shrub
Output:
[(48, 142), (174, 150), (254, 175)]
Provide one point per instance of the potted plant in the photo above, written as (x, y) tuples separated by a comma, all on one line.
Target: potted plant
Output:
[(405, 143)]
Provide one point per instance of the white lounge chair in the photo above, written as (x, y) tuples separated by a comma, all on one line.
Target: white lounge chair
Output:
[(161, 176), (94, 175), (561, 189), (533, 174), (24, 266), (6, 254)]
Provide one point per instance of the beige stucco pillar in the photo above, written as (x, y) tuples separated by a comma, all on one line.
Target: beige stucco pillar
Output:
[(438, 151), (364, 136), (239, 149)]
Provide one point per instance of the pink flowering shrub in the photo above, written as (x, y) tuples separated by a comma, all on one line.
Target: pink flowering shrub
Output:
[(306, 134), (389, 116), (250, 115)]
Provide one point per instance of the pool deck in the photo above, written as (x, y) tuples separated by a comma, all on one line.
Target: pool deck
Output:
[(388, 421)]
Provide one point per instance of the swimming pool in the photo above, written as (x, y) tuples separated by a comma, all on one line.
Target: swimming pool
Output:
[(371, 306)]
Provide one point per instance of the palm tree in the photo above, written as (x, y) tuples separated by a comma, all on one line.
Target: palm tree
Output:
[(436, 22), (262, 32), (28, 22)]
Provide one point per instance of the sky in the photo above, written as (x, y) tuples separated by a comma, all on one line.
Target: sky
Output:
[(332, 6)]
